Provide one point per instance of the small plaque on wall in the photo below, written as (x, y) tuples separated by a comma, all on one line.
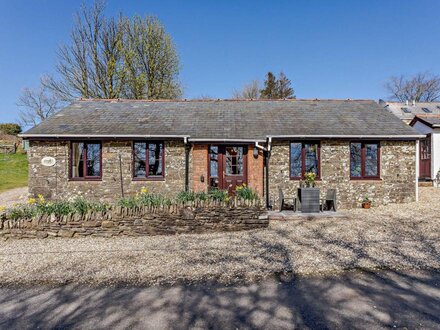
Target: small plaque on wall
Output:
[(48, 161)]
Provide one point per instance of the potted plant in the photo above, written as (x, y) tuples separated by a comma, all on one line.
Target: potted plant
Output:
[(309, 195), (310, 178), (366, 202)]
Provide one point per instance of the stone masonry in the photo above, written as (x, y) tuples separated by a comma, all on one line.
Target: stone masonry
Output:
[(397, 172), (53, 182), (139, 222)]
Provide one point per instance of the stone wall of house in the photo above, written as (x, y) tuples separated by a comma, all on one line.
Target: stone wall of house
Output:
[(53, 182), (139, 222), (397, 172)]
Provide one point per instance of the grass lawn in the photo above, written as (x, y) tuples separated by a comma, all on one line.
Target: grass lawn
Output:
[(13, 171)]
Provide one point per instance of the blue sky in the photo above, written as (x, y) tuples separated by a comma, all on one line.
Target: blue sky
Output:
[(329, 49)]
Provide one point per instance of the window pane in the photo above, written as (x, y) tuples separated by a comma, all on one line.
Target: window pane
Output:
[(77, 160), (295, 160), (371, 159), (311, 151), (234, 161), (155, 159), (93, 159), (355, 160), (213, 161), (140, 151)]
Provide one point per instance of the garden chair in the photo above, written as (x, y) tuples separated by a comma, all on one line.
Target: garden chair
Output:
[(329, 202), (283, 204)]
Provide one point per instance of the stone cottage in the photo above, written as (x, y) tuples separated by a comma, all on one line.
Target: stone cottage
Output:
[(108, 148)]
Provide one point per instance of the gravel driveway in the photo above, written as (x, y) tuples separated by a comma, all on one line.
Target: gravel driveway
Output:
[(12, 196), (404, 236)]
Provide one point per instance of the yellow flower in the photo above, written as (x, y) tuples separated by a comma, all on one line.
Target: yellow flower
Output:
[(2, 208), (144, 190), (40, 199), (227, 199), (32, 201), (244, 184)]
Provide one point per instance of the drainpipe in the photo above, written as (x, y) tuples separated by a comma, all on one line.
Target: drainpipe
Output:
[(266, 155), (266, 158), (417, 170), (187, 150)]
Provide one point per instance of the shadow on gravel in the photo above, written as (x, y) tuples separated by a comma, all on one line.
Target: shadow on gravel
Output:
[(351, 300)]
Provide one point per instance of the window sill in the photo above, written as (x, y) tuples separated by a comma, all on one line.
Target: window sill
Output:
[(86, 180), (149, 179), (365, 180), (302, 179)]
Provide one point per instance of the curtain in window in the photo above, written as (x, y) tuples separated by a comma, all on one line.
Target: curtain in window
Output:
[(77, 160)]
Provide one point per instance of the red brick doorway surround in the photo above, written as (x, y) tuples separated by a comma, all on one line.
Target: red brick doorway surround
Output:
[(201, 167)]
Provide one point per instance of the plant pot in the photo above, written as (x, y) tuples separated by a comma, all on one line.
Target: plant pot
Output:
[(309, 200), (366, 205)]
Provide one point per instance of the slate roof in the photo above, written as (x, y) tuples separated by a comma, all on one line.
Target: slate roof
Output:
[(432, 121), (397, 108), (223, 119)]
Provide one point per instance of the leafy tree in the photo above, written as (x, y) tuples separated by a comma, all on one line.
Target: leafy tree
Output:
[(423, 87), (10, 128), (270, 90), (150, 59), (249, 91), (284, 89)]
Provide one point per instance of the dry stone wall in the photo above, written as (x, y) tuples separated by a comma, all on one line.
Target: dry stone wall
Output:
[(139, 222)]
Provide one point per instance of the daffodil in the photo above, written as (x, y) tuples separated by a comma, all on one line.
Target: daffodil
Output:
[(2, 208), (40, 199), (144, 190), (32, 200)]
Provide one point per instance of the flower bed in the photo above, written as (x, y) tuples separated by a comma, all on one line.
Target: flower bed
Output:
[(144, 214)]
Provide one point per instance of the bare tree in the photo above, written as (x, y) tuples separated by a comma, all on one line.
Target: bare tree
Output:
[(112, 58), (423, 87), (38, 104), (205, 97), (249, 91), (91, 65)]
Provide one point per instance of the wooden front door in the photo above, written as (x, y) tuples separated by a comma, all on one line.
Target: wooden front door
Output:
[(227, 167), (425, 158)]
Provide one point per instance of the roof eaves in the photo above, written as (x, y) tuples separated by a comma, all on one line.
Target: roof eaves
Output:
[(370, 137)]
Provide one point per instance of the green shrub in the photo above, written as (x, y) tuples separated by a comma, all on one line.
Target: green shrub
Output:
[(10, 128)]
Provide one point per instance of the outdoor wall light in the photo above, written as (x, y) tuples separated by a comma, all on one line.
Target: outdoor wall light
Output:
[(255, 152), (202, 178)]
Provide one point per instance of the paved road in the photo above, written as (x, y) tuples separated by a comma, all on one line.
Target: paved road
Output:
[(353, 300)]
